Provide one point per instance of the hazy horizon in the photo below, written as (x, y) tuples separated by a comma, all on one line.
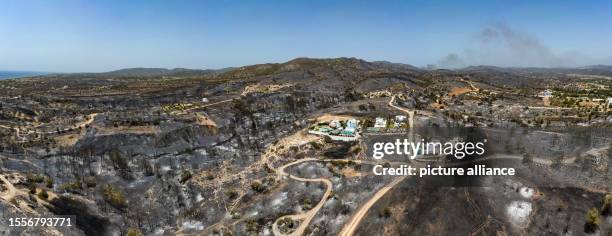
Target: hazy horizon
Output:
[(82, 36), (37, 72)]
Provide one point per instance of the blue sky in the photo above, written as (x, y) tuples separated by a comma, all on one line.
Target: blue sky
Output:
[(93, 36)]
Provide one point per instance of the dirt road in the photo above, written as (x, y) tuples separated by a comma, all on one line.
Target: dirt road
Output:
[(409, 112), (211, 104), (350, 227), (306, 217)]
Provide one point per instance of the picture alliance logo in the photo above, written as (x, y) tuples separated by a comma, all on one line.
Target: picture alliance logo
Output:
[(413, 149)]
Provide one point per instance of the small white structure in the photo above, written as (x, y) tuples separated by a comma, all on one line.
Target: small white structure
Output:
[(380, 122), (546, 93), (399, 119), (205, 100), (610, 101)]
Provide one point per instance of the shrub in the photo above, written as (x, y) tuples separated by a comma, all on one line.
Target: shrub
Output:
[(386, 212), (114, 197), (90, 181), (119, 162), (258, 186), (43, 194), (35, 178), (592, 221), (32, 188), (285, 224), (71, 186), (316, 145), (186, 175), (133, 232), (307, 204), (231, 194), (49, 182), (252, 225)]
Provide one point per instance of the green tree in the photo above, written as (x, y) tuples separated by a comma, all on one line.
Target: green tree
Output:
[(593, 220), (257, 186), (186, 175), (114, 196), (133, 232), (43, 194), (49, 182), (385, 212), (32, 188)]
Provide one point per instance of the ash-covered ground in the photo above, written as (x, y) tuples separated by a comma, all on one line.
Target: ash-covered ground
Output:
[(228, 152)]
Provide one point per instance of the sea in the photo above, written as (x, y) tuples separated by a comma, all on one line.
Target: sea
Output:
[(19, 74)]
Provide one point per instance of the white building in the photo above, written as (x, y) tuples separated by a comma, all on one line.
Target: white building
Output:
[(399, 119), (205, 100), (380, 122), (546, 93)]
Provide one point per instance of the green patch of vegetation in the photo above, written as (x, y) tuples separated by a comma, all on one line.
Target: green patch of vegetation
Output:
[(43, 194), (257, 186), (114, 196), (286, 224), (185, 176), (385, 212), (260, 187), (593, 220), (315, 145), (232, 194), (252, 225), (49, 182), (119, 162), (306, 204), (71, 186), (133, 232), (235, 215), (35, 178), (32, 188), (90, 181)]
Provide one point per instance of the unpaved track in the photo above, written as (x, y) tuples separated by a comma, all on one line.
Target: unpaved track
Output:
[(90, 119), (306, 217), (409, 112), (350, 227), (211, 104)]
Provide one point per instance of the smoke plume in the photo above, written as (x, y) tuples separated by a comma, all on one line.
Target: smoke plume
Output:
[(501, 45)]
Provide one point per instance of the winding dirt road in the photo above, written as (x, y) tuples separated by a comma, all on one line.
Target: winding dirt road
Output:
[(210, 104), (409, 112), (306, 217), (350, 227)]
